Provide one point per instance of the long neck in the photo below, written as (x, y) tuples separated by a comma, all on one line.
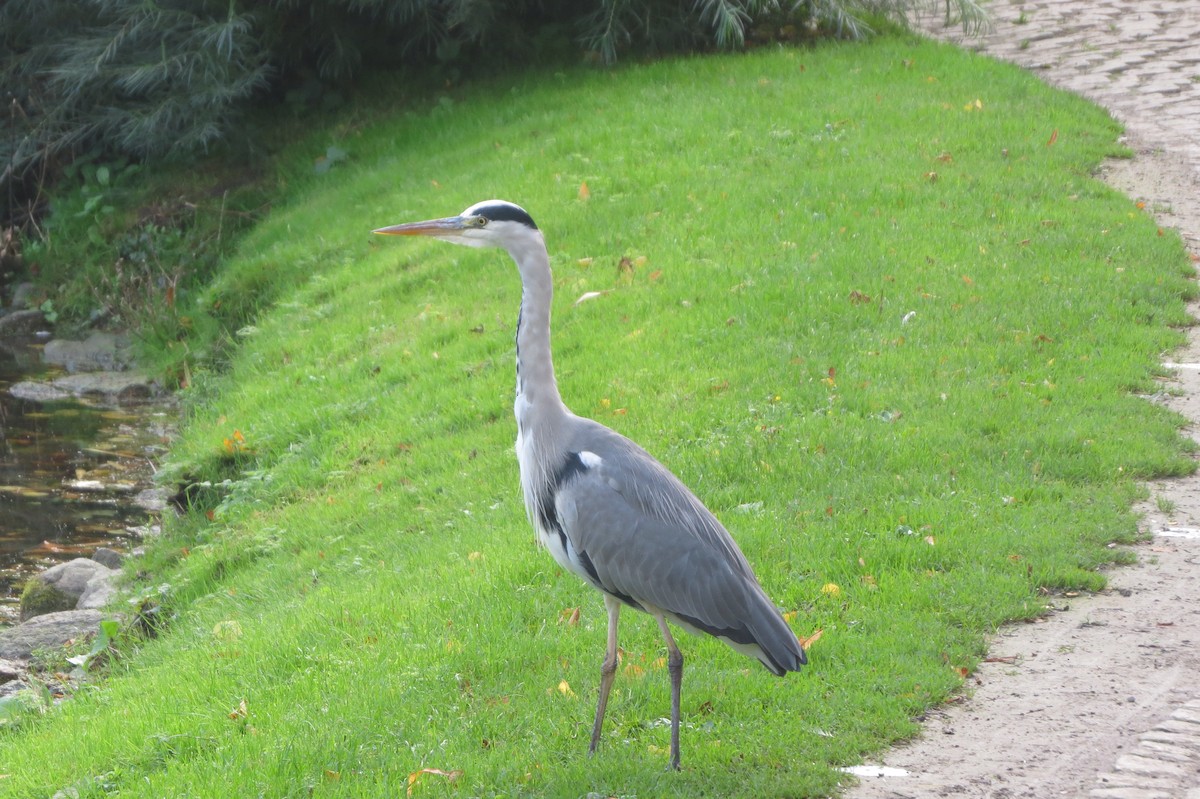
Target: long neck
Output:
[(535, 367)]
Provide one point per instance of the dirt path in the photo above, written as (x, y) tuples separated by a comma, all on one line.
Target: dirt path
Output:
[(1101, 698)]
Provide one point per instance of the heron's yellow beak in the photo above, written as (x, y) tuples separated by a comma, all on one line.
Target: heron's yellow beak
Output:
[(430, 227)]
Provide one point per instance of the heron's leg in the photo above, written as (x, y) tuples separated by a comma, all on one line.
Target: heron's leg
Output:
[(608, 669), (675, 667)]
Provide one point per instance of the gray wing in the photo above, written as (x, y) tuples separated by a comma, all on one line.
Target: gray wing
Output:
[(640, 535)]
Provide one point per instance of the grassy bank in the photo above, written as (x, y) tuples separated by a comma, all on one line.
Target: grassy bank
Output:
[(866, 300)]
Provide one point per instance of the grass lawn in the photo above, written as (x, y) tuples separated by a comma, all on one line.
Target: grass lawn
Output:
[(866, 300)]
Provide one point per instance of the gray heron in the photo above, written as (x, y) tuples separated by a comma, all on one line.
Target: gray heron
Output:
[(605, 509)]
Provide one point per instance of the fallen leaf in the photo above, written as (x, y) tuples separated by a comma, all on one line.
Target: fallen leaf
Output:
[(1053, 138), (930, 540), (240, 712), (570, 616), (449, 776), (805, 643), (589, 295), (831, 589), (585, 193), (564, 688)]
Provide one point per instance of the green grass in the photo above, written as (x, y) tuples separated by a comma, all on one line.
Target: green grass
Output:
[(368, 585)]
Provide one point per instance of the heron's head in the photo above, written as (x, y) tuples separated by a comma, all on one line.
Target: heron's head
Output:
[(491, 223)]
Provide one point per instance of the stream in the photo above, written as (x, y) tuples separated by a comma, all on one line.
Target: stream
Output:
[(75, 474)]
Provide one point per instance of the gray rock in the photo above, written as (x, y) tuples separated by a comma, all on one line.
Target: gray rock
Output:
[(99, 592), (153, 499), (123, 387), (37, 392), (22, 323), (72, 578), (44, 632), (98, 352), (21, 295), (108, 557), (12, 687), (11, 670)]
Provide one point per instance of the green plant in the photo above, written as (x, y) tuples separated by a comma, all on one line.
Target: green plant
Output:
[(24, 705), (1165, 505), (101, 649)]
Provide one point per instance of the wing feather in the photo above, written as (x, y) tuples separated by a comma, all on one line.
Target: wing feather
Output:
[(640, 535)]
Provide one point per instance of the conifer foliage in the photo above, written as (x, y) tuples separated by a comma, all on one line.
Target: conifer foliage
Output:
[(137, 79)]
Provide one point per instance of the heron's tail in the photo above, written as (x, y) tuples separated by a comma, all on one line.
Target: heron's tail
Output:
[(775, 645)]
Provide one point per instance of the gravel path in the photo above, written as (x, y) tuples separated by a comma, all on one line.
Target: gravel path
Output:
[(1102, 698)]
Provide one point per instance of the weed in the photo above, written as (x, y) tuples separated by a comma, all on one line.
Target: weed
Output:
[(1164, 505)]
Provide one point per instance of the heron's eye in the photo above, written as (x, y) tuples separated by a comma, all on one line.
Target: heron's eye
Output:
[(479, 221)]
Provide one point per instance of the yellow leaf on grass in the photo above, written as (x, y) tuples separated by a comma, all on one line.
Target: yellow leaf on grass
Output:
[(805, 643), (449, 776), (831, 589), (564, 688)]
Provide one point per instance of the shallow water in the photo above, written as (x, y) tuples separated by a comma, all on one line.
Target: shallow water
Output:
[(70, 474)]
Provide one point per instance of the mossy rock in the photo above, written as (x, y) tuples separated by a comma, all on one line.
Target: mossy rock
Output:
[(38, 599)]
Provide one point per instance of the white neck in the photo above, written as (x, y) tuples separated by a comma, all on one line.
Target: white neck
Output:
[(540, 413), (535, 366)]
